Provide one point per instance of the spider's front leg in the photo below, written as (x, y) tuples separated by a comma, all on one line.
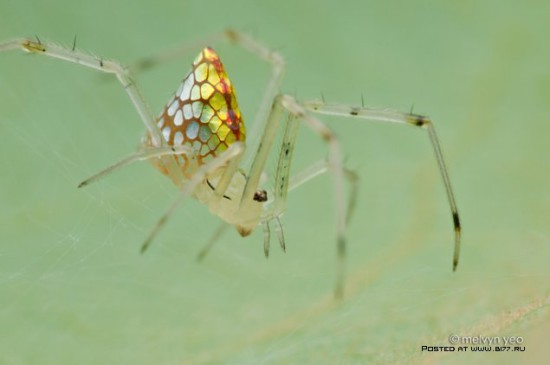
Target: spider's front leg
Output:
[(336, 165), (122, 74), (281, 104), (145, 154), (418, 121), (285, 182)]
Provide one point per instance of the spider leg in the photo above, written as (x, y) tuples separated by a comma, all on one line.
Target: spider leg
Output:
[(281, 183), (271, 90), (217, 234), (228, 157), (316, 169), (280, 233), (335, 164), (423, 122), (267, 237), (106, 66), (265, 143), (284, 182), (280, 104), (141, 155), (282, 174), (148, 62)]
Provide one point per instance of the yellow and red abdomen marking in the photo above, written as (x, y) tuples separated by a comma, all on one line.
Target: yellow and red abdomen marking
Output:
[(203, 114)]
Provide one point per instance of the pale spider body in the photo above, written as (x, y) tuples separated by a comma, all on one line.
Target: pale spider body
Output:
[(228, 207), (199, 139), (204, 116)]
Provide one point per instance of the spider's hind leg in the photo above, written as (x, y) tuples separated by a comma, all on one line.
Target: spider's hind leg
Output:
[(215, 237)]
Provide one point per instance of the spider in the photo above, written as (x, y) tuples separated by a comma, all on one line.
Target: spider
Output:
[(198, 141)]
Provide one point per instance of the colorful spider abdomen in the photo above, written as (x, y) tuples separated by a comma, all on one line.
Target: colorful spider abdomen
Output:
[(203, 113)]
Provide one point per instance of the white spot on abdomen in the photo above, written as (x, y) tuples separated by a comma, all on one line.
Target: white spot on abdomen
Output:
[(186, 90), (187, 111), (166, 133), (192, 130), (178, 119), (178, 138), (173, 107)]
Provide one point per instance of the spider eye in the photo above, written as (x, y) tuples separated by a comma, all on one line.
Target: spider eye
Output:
[(260, 196)]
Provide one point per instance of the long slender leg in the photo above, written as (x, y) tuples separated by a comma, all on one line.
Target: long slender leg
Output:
[(282, 174), (286, 102), (400, 118), (217, 234), (314, 170), (280, 233), (233, 152), (139, 156), (262, 153), (283, 179), (149, 62), (335, 163), (271, 90), (267, 238), (110, 67), (267, 234), (279, 201), (283, 183)]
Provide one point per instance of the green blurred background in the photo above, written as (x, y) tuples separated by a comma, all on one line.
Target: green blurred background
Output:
[(74, 289)]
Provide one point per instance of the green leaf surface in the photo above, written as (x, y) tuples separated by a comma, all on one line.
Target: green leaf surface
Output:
[(75, 290)]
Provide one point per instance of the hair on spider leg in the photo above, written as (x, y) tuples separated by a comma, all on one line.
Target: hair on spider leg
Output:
[(74, 43), (411, 109)]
